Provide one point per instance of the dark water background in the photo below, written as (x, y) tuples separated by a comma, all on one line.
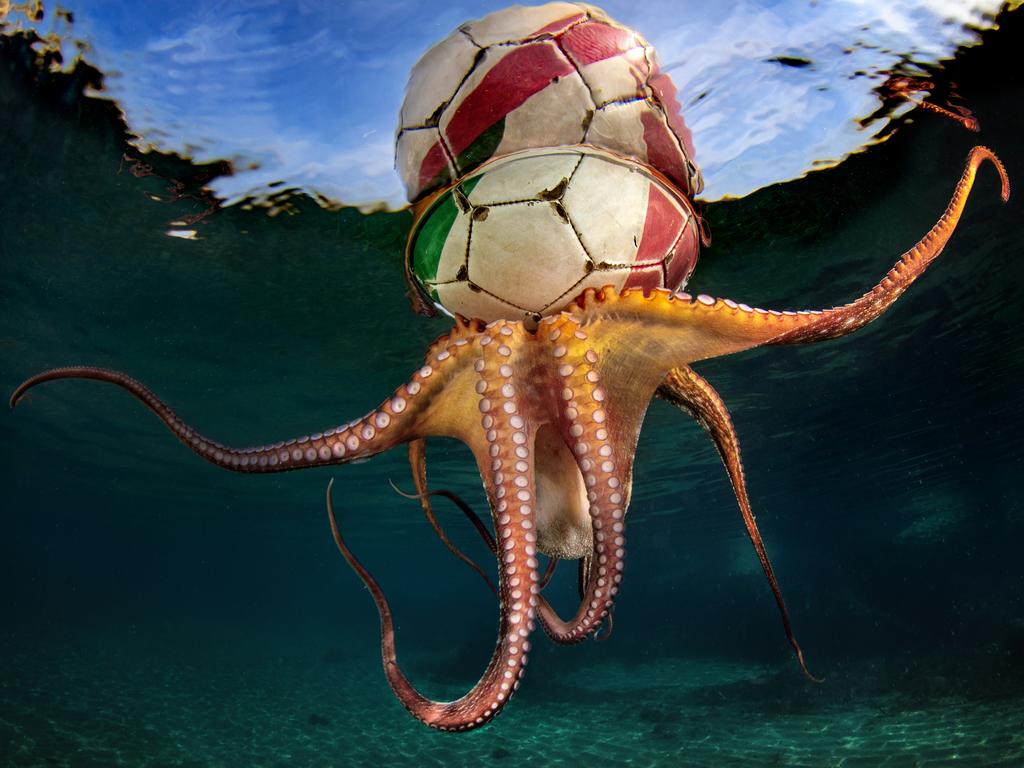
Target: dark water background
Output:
[(160, 611)]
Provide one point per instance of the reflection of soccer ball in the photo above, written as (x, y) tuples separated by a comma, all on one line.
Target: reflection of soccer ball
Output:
[(525, 234), (530, 77)]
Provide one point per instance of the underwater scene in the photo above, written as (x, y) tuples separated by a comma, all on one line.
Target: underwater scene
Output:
[(208, 197)]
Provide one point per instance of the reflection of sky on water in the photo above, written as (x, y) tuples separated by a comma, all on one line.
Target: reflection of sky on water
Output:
[(307, 91)]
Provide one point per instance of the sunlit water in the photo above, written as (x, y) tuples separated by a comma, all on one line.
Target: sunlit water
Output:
[(157, 610)]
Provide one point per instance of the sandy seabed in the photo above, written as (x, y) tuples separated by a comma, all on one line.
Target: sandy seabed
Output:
[(94, 703)]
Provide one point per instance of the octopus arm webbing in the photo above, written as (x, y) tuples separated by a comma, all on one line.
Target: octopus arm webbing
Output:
[(684, 388)]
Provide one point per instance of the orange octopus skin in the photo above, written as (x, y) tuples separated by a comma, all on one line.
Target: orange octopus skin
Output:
[(908, 87), (576, 387)]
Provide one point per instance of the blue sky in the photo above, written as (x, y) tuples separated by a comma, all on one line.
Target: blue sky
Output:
[(308, 91)]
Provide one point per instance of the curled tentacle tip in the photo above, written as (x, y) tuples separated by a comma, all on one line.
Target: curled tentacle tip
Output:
[(1004, 178), (402, 493), (806, 671), (980, 153), (18, 393), (605, 630), (812, 678)]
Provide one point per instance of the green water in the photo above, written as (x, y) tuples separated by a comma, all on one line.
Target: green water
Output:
[(159, 611)]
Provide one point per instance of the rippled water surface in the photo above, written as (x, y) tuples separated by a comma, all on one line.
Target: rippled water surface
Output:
[(306, 94), (159, 611)]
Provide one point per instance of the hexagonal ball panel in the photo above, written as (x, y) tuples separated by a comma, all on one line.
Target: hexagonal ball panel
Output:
[(525, 253)]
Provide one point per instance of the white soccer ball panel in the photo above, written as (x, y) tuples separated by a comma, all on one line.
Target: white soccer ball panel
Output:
[(522, 22), (526, 254), (460, 298), (523, 177), (434, 78), (606, 202)]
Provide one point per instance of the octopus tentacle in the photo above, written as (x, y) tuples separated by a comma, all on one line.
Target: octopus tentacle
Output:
[(684, 388), (548, 572), (583, 574), (506, 465), (606, 629), (588, 426), (968, 121), (486, 698), (417, 460), (425, 494), (840, 321), (908, 87), (680, 329), (403, 416), (377, 431), (418, 464), (511, 498)]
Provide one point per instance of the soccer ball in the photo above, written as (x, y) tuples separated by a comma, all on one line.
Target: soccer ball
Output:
[(524, 234), (529, 77)]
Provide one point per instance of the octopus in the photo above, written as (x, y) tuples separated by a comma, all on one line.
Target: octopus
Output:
[(552, 412), (898, 87)]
